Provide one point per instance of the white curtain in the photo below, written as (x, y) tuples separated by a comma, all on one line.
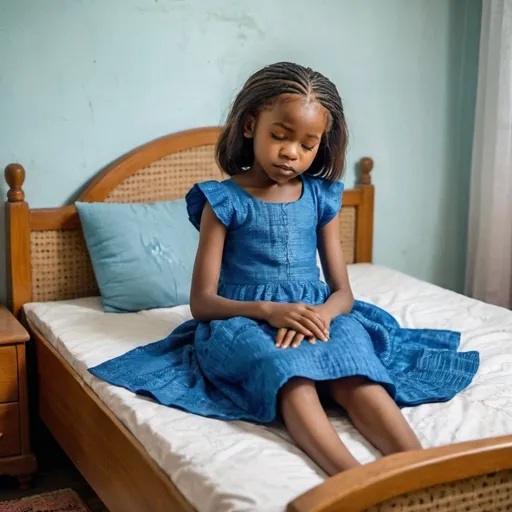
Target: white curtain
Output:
[(489, 262)]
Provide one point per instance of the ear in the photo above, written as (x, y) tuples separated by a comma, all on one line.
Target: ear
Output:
[(249, 125)]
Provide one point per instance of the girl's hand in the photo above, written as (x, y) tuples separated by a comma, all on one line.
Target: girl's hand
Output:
[(288, 337), (301, 318), (323, 313)]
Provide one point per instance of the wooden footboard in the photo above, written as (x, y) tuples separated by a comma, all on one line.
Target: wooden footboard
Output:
[(474, 476)]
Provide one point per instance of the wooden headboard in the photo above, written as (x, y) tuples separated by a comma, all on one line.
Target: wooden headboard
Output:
[(47, 258)]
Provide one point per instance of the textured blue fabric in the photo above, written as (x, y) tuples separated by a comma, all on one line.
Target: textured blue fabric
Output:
[(142, 254), (231, 369)]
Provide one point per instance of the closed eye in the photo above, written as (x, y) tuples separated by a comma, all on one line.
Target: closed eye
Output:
[(308, 148), (276, 137)]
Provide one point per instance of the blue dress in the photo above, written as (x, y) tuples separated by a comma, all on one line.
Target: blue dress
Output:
[(231, 369)]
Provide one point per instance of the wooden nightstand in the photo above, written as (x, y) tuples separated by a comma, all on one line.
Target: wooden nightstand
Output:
[(15, 456)]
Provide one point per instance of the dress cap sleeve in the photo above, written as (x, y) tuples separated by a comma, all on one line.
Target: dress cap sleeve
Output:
[(217, 195), (329, 200)]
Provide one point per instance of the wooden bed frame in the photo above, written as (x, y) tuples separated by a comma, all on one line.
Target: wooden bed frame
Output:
[(48, 260)]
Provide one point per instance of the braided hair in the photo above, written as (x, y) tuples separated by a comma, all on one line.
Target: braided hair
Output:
[(234, 152)]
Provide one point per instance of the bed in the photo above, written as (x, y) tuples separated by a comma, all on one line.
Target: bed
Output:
[(139, 456)]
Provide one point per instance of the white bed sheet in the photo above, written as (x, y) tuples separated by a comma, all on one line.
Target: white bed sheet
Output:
[(227, 466)]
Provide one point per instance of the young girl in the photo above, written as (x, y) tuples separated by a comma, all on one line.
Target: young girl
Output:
[(267, 330)]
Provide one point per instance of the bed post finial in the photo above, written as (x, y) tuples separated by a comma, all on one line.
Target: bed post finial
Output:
[(15, 176), (366, 165)]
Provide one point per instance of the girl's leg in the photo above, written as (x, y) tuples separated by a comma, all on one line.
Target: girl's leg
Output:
[(375, 414), (310, 428)]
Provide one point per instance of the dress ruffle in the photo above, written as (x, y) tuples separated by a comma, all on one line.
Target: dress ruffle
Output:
[(329, 200), (307, 292), (217, 195)]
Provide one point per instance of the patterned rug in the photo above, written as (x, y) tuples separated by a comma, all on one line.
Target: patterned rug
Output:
[(64, 500)]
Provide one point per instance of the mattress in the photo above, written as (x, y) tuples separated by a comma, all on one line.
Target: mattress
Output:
[(227, 466)]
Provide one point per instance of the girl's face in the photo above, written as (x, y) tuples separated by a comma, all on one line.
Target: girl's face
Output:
[(287, 136)]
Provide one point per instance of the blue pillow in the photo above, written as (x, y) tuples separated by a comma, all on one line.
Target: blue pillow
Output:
[(142, 254)]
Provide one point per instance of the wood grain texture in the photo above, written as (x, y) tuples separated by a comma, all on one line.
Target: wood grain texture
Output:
[(365, 486), (23, 398), (364, 225), (15, 456), (109, 457), (366, 167), (10, 443), (19, 270), (18, 465), (8, 374), (45, 219), (15, 177), (11, 331)]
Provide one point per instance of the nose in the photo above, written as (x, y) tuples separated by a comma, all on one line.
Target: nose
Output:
[(289, 151)]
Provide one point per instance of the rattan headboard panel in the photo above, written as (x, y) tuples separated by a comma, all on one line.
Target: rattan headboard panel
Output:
[(348, 233), (61, 267), (478, 493), (169, 178)]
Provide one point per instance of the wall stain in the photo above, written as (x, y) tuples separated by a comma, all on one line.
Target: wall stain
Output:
[(91, 108), (243, 22)]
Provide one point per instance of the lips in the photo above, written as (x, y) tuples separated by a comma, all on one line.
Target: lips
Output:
[(285, 168)]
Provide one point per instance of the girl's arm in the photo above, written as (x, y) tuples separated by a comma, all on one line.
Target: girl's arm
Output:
[(207, 305), (341, 300)]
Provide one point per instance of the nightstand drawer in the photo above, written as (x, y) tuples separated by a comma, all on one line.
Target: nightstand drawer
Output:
[(9, 430), (8, 374)]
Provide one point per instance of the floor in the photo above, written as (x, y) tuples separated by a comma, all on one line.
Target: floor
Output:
[(55, 471)]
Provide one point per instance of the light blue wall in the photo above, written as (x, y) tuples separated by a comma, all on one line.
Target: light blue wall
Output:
[(82, 82)]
